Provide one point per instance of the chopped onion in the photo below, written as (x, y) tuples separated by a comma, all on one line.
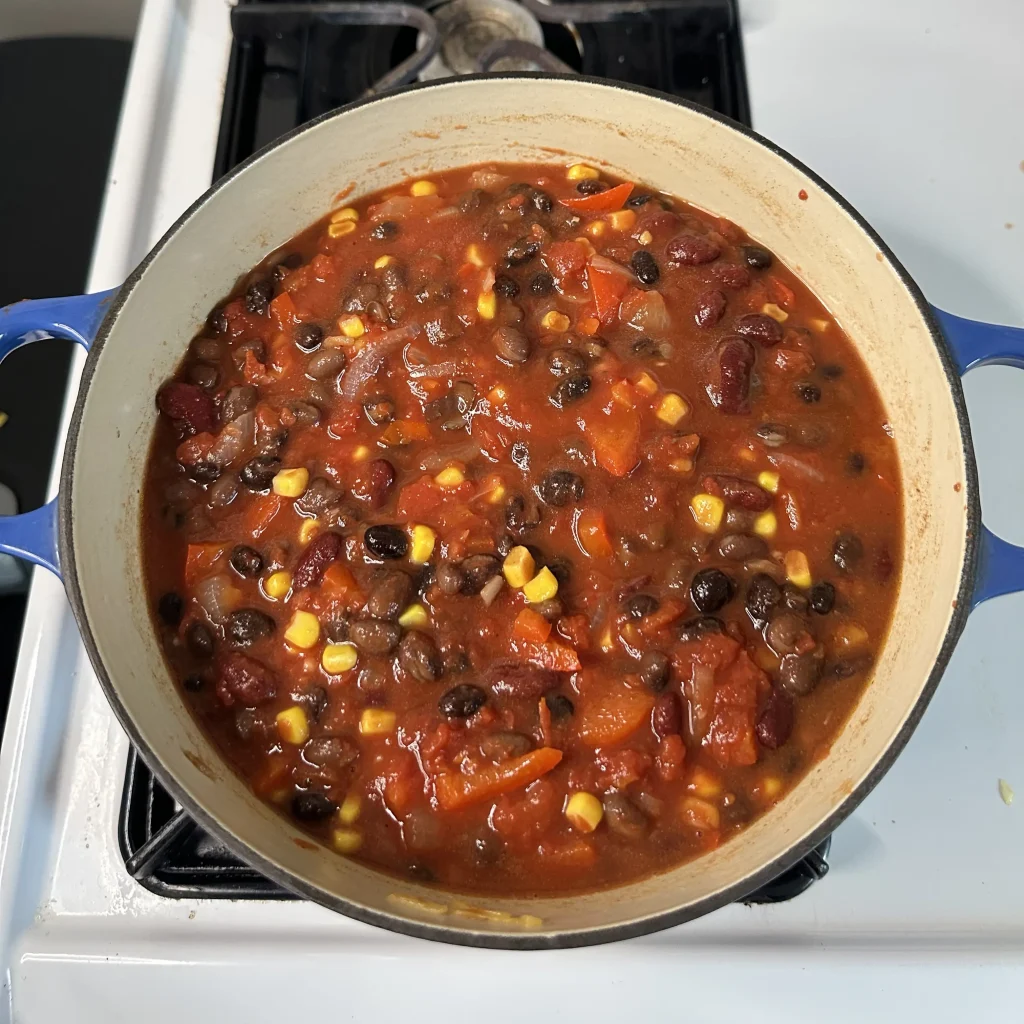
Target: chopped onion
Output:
[(399, 207), (700, 696), (445, 213), (646, 311), (217, 596), (491, 589), (485, 178), (765, 565), (796, 466), (436, 460), (371, 358), (449, 368)]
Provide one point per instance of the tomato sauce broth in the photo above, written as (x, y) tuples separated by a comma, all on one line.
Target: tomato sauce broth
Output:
[(522, 530)]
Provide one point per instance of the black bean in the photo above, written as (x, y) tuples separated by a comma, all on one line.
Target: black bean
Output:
[(847, 551), (565, 361), (203, 472), (648, 348), (763, 597), (193, 683), (542, 202), (559, 706), (318, 497), (800, 673), (591, 187), (418, 655), (512, 345), (570, 389), (639, 606), (520, 455), (522, 514), (772, 435), (336, 629), (552, 609), (237, 400), (560, 568), (309, 337), (699, 627), (246, 561), (217, 321), (710, 590), (462, 701), (738, 547), (328, 362), (313, 806), (822, 597), (639, 199), (247, 625), (831, 371), (477, 571), (645, 266), (258, 296), (786, 633), (521, 251), (199, 638), (170, 608), (384, 230), (390, 590), (855, 463), (807, 392), (375, 637), (258, 474), (561, 487), (756, 257), (623, 816), (336, 751), (504, 745), (306, 413), (506, 286), (655, 670), (542, 283), (386, 541), (450, 579)]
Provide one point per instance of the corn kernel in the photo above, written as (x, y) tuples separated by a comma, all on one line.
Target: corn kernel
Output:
[(351, 327), (645, 238), (798, 572), (497, 395), (487, 305), (346, 840), (581, 172), (348, 812), (450, 476), (422, 547), (338, 658), (699, 814), (360, 453), (768, 482), (646, 383), (341, 228), (766, 524), (349, 213), (622, 220), (850, 636), (277, 585), (555, 321), (542, 587), (423, 188), (307, 531), (596, 228), (375, 722), (518, 567), (496, 495), (681, 465), (775, 312), (292, 725), (672, 409), (303, 631), (584, 811), (705, 784), (707, 510), (414, 617), (607, 641), (291, 483), (819, 326), (771, 786), (383, 261), (475, 256)]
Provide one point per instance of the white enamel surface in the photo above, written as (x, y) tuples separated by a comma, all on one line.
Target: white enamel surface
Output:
[(921, 914), (676, 150)]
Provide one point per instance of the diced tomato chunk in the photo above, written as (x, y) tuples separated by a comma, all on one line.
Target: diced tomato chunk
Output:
[(565, 258), (615, 715), (608, 282)]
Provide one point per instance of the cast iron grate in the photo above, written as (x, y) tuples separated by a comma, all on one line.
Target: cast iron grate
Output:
[(293, 61)]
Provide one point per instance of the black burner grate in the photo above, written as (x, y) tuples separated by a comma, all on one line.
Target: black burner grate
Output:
[(293, 61)]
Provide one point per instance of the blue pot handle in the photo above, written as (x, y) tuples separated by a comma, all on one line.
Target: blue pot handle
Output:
[(33, 535), (1000, 564)]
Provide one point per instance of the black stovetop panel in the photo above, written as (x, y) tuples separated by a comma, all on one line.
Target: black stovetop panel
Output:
[(290, 65)]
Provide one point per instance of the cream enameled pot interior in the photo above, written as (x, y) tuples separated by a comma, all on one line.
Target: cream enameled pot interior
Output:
[(666, 145)]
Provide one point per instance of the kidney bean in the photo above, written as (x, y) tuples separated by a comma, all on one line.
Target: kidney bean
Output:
[(738, 547), (691, 250), (511, 345), (190, 405), (775, 722), (735, 364), (320, 553), (655, 670), (504, 745), (373, 483), (624, 818), (519, 680), (731, 275), (372, 636), (800, 673), (419, 657), (245, 681), (760, 327), (710, 308), (462, 701), (744, 493), (763, 597), (666, 716), (170, 608), (313, 806)]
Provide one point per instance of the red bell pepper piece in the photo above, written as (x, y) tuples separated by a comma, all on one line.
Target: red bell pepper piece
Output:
[(600, 202)]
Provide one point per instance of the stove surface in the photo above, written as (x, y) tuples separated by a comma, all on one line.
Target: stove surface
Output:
[(922, 915)]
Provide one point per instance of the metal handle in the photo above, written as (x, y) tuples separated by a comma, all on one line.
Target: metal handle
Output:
[(33, 535), (972, 343)]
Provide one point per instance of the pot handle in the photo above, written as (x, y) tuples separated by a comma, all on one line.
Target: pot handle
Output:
[(33, 535), (972, 343)]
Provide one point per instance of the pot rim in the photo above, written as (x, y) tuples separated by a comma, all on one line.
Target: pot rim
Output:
[(493, 939)]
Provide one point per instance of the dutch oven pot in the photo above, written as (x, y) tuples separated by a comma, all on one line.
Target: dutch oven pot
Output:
[(137, 334)]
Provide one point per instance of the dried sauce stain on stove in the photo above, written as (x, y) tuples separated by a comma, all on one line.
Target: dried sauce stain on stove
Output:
[(506, 674)]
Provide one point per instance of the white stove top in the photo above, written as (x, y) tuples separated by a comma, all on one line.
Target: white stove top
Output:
[(912, 111)]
